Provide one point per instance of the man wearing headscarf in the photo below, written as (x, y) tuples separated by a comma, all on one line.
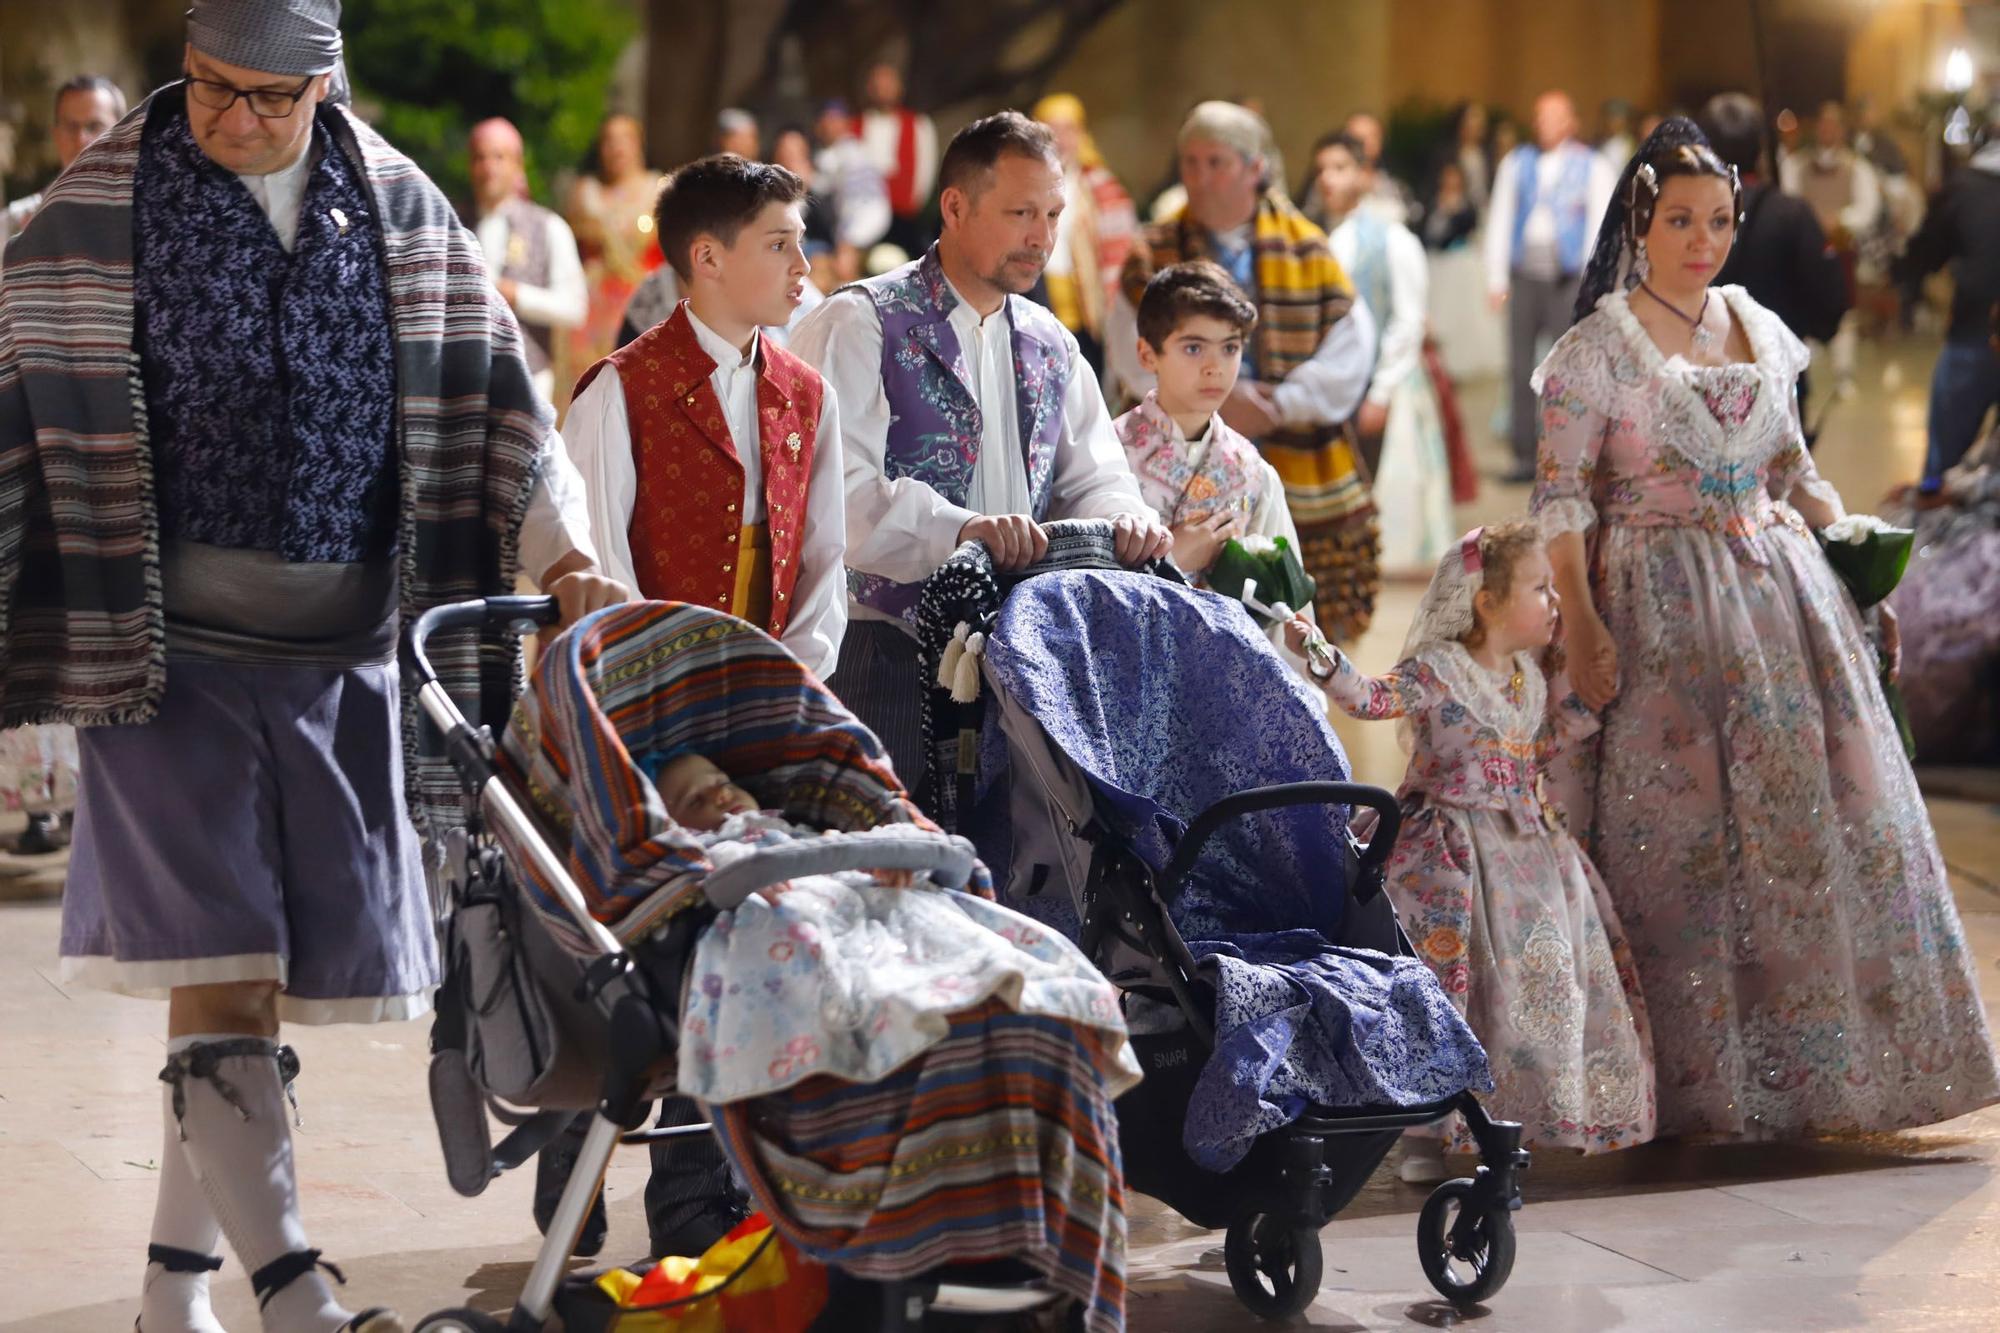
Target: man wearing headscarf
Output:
[(1309, 359), (258, 403)]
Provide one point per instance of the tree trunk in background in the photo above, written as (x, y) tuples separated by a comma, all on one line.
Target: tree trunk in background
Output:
[(685, 45)]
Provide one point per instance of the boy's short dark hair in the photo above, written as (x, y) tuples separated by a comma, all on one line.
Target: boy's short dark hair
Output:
[(970, 157), (1180, 292), (717, 196)]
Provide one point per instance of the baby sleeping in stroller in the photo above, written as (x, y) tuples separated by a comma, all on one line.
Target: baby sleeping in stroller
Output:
[(849, 975)]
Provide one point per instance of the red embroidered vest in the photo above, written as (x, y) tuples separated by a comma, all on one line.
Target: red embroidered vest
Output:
[(687, 517)]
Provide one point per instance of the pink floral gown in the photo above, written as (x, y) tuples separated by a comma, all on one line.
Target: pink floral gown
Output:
[(1501, 902), (1748, 802)]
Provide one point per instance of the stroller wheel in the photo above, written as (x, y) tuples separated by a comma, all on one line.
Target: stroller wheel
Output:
[(461, 1321), (1465, 1241), (1274, 1265)]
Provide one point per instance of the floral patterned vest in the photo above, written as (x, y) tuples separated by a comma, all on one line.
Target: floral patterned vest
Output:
[(687, 518), (935, 423)]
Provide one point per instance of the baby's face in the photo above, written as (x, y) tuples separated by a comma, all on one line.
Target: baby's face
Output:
[(699, 795)]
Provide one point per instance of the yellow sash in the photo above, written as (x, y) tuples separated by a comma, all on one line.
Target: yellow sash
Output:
[(752, 600)]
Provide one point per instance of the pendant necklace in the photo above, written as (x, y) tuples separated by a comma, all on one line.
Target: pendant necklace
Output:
[(1700, 334)]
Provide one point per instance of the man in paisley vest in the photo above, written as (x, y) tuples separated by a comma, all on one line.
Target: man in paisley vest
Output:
[(307, 418), (530, 251), (1307, 362), (966, 413)]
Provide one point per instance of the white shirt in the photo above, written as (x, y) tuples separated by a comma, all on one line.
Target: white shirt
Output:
[(1539, 233), (599, 436), (882, 136), (565, 302), (557, 520), (901, 529), (1323, 390), (280, 194), (1401, 352), (860, 199)]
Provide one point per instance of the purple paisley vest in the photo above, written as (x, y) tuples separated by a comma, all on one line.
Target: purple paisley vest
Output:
[(935, 424)]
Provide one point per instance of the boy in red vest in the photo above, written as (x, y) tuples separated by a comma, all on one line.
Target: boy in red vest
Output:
[(711, 455), (712, 461)]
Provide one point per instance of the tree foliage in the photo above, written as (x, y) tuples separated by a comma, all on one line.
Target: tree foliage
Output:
[(427, 72)]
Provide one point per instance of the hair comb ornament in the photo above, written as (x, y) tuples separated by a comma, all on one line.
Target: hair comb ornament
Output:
[(1468, 551), (1649, 177)]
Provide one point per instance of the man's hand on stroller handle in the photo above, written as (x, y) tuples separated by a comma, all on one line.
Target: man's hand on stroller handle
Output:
[(1140, 538), (1015, 540), (579, 589)]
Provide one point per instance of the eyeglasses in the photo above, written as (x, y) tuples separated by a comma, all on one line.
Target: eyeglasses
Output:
[(266, 103)]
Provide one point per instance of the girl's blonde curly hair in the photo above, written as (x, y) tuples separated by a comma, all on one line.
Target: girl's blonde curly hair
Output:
[(1502, 548)]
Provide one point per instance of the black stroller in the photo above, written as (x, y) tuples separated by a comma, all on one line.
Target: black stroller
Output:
[(548, 1012), (1053, 832)]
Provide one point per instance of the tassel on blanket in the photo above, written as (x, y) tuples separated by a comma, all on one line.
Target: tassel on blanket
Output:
[(965, 676), (947, 672)]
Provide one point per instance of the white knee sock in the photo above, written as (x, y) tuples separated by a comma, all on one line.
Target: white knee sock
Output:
[(173, 1301), (239, 1142)]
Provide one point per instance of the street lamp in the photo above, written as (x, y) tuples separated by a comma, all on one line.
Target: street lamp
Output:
[(1958, 71)]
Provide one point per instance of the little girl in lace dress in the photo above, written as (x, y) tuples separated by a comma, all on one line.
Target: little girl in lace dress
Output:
[(1497, 896)]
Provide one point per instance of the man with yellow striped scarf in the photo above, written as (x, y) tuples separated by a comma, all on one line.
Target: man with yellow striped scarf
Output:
[(1309, 359)]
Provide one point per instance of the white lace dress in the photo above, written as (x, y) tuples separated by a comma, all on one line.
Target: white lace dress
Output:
[(1748, 802)]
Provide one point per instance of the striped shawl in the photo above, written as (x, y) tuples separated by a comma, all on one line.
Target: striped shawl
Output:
[(82, 632), (1301, 294)]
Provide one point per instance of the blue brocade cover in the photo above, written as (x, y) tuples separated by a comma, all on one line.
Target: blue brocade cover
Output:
[(1169, 699)]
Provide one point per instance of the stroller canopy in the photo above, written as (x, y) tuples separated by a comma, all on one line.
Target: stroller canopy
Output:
[(633, 686), (1168, 699)]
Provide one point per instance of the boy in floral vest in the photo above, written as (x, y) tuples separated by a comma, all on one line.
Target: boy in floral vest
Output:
[(1197, 471), (712, 460), (711, 455)]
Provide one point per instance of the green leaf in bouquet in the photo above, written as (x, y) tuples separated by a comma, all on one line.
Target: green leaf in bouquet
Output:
[(1872, 567), (1275, 566), (1234, 565), (1299, 586)]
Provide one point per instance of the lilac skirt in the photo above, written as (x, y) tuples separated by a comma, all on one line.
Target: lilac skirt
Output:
[(254, 831)]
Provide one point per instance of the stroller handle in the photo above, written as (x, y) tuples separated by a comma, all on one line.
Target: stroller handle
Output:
[(481, 613), (948, 860), (1280, 796), (470, 749)]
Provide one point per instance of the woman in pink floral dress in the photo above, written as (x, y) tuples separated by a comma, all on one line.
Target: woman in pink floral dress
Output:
[(1748, 802)]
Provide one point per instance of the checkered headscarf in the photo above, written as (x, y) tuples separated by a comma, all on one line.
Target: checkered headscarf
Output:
[(296, 37)]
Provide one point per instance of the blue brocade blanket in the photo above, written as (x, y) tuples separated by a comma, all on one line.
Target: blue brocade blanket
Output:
[(1169, 699)]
